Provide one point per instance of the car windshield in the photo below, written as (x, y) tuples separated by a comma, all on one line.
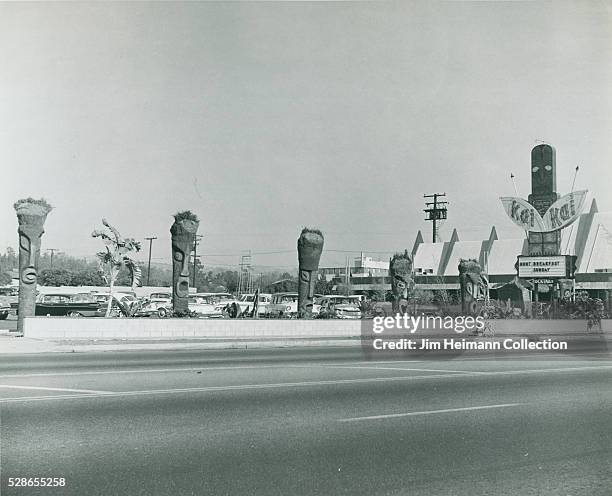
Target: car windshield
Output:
[(83, 298), (343, 301), (54, 299), (160, 296)]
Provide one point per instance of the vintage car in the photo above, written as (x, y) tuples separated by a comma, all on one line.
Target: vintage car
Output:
[(246, 302), (282, 305), (340, 307), (220, 298), (5, 308), (124, 304), (225, 300), (9, 296), (158, 304), (70, 305), (205, 306)]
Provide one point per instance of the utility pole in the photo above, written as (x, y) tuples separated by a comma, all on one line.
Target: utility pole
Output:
[(52, 250), (435, 211), (245, 282), (149, 266), (196, 242)]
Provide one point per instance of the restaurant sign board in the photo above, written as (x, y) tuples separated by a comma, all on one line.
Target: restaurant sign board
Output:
[(546, 267)]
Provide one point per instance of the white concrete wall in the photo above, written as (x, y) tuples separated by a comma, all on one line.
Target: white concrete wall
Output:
[(100, 328), (545, 326)]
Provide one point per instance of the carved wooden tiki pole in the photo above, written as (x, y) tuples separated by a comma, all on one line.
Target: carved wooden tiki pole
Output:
[(400, 270), (469, 279), (310, 246), (183, 233), (31, 215)]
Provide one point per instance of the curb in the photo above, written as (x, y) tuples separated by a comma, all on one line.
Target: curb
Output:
[(22, 345), (32, 346)]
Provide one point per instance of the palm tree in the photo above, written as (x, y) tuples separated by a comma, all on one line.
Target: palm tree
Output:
[(115, 257)]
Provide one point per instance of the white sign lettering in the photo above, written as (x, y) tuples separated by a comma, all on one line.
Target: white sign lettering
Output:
[(560, 214), (550, 266)]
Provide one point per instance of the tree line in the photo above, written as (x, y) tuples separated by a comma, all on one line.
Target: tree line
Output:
[(64, 270)]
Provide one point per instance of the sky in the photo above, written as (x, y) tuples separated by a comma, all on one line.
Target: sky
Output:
[(265, 117)]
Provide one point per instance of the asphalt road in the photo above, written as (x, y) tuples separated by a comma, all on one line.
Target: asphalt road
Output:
[(305, 422)]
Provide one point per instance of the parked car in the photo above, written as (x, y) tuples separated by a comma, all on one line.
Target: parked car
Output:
[(5, 308), (225, 300), (221, 298), (70, 305), (282, 305), (247, 301), (340, 307), (9, 297), (205, 306), (157, 304), (124, 304)]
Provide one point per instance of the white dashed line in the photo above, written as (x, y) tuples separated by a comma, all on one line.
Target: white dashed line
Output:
[(240, 387), (42, 388), (428, 412)]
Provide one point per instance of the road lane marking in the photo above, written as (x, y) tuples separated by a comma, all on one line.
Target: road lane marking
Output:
[(428, 412), (402, 368), (147, 371), (367, 362), (207, 389), (240, 387), (42, 388), (542, 371)]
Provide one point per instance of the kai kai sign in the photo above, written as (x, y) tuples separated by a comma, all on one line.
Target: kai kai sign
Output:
[(559, 215)]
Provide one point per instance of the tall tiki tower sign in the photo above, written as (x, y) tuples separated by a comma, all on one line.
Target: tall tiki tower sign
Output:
[(543, 217), (543, 195), (544, 214)]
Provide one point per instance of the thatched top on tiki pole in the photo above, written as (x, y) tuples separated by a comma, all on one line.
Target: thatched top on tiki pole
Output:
[(30, 206), (469, 266), (185, 221), (400, 263), (310, 246), (31, 212)]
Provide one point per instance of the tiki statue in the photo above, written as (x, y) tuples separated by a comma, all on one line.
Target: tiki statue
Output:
[(31, 215), (310, 246), (183, 235), (472, 285), (402, 283)]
